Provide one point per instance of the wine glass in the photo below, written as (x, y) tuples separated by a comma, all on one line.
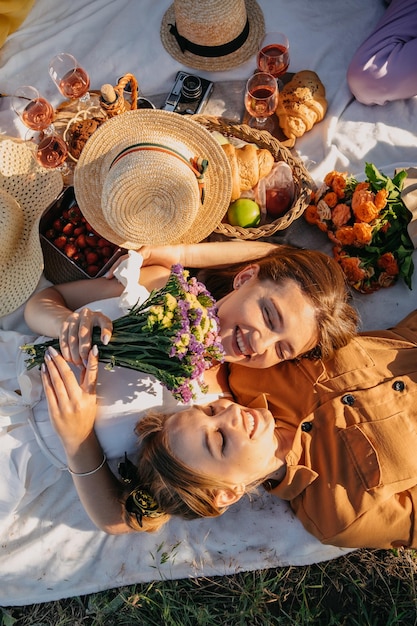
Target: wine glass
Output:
[(49, 149), (34, 111), (261, 99), (273, 55), (71, 79)]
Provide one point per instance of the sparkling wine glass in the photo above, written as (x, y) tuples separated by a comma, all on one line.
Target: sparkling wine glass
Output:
[(34, 111), (274, 55), (71, 79), (261, 100)]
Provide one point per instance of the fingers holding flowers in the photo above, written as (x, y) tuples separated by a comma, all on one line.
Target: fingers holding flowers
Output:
[(76, 337)]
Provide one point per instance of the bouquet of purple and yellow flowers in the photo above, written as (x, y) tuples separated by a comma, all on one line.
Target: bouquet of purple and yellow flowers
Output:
[(173, 336)]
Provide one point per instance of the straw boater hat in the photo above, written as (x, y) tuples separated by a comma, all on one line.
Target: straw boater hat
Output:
[(212, 35), (26, 190), (140, 179)]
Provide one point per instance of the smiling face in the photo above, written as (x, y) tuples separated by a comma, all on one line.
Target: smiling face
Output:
[(225, 441), (263, 323)]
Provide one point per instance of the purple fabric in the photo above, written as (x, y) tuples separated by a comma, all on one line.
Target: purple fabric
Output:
[(384, 67)]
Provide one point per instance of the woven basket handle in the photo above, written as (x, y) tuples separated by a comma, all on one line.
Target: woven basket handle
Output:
[(112, 100)]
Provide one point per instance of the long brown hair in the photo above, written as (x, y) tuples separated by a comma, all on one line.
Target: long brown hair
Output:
[(320, 278)]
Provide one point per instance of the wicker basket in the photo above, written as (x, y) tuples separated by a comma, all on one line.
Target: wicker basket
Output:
[(303, 182)]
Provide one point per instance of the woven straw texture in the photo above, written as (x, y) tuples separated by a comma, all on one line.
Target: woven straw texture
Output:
[(27, 189), (303, 182), (143, 199), (213, 23)]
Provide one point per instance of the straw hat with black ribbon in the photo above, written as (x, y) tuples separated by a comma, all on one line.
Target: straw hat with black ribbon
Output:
[(212, 35), (152, 177), (26, 190)]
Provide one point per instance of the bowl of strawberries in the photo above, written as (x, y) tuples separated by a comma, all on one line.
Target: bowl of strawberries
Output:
[(72, 249)]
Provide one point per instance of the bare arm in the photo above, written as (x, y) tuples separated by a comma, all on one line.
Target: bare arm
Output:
[(50, 312), (72, 408), (210, 254), (46, 310)]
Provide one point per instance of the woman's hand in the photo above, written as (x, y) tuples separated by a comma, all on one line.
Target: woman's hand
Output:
[(72, 409), (75, 339), (72, 405)]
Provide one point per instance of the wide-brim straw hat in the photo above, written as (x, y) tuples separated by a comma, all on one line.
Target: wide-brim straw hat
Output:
[(26, 190), (212, 35), (135, 185)]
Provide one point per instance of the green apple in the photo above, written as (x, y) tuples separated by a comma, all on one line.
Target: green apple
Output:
[(220, 138), (244, 212)]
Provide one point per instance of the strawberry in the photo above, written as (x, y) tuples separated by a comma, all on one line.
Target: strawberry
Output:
[(106, 251), (68, 229), (57, 225), (74, 214), (91, 258), (79, 230), (92, 240), (50, 234), (92, 270), (70, 250), (60, 242), (81, 241)]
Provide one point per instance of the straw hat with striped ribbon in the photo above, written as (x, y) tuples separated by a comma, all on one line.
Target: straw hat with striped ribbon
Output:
[(212, 35), (26, 190), (152, 177)]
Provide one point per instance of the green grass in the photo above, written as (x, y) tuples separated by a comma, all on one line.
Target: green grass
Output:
[(365, 588)]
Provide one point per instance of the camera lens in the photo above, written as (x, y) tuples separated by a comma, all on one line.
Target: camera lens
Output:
[(191, 87)]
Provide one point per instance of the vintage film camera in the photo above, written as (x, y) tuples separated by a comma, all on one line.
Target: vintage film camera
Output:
[(189, 94)]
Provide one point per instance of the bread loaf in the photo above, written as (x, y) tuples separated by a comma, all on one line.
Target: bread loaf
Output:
[(302, 103), (248, 165)]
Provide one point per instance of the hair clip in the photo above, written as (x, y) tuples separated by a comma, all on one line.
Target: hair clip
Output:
[(142, 504)]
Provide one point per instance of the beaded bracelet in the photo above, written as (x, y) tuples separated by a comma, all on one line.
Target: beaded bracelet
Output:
[(92, 471)]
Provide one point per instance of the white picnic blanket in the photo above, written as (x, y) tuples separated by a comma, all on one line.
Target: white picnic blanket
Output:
[(53, 551)]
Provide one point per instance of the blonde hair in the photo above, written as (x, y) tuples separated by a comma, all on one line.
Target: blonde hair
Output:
[(177, 489), (320, 278)]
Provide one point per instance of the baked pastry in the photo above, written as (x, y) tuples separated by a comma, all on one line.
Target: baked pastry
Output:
[(302, 103), (248, 164)]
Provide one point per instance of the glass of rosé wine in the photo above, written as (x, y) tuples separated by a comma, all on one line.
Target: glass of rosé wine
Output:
[(33, 110), (274, 55), (49, 149), (261, 99), (71, 79)]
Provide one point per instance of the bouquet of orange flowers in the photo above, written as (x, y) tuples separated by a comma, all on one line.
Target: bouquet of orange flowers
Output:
[(367, 221)]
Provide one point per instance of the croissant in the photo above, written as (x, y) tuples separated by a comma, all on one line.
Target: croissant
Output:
[(248, 164), (302, 103)]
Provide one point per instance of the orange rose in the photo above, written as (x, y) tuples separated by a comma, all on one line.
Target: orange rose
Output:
[(311, 214), (351, 267), (361, 186), (363, 233), (381, 199), (330, 198), (337, 182), (345, 235), (340, 215), (388, 263), (363, 205)]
